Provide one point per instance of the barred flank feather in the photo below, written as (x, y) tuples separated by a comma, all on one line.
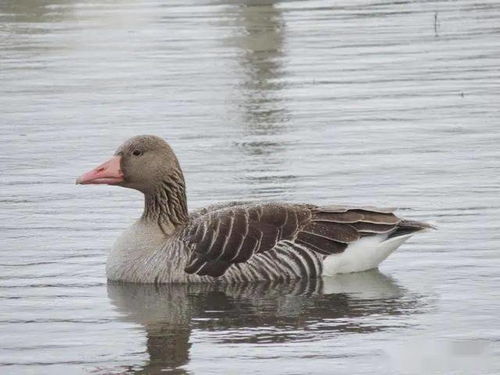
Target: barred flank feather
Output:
[(289, 240)]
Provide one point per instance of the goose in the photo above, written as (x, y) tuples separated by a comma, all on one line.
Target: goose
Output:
[(235, 242)]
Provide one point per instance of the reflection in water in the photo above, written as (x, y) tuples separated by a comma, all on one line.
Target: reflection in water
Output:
[(33, 11), (260, 44), (298, 311)]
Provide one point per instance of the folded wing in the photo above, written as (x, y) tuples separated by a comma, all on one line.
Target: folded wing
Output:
[(232, 234)]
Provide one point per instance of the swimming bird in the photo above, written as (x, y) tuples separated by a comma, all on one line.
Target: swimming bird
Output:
[(235, 241)]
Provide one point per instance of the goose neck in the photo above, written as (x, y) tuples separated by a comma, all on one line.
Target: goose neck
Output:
[(166, 204)]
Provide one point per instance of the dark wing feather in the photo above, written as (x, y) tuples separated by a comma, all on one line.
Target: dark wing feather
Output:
[(233, 233)]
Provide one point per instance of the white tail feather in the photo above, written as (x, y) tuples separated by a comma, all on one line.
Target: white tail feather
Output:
[(362, 255)]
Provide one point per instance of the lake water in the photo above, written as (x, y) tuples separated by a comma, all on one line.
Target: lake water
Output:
[(346, 102)]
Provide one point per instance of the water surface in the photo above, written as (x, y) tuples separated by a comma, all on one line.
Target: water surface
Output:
[(365, 102)]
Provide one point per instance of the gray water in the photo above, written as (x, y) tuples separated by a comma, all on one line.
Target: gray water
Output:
[(346, 102)]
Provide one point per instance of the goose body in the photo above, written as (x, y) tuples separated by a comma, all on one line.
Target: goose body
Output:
[(237, 241)]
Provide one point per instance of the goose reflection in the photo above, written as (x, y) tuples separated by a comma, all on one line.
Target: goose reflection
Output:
[(256, 313)]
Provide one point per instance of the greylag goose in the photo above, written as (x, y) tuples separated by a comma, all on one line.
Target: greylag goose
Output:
[(237, 241)]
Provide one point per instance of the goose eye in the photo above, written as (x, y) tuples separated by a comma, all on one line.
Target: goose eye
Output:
[(137, 153)]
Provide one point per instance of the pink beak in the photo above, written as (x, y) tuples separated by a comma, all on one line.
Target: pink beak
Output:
[(107, 173)]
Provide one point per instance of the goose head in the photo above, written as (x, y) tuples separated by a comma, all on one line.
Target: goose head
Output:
[(143, 163)]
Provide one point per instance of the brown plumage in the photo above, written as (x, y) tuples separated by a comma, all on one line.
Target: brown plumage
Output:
[(222, 237), (236, 241)]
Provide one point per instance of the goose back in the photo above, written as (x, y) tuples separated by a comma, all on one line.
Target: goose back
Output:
[(278, 241)]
